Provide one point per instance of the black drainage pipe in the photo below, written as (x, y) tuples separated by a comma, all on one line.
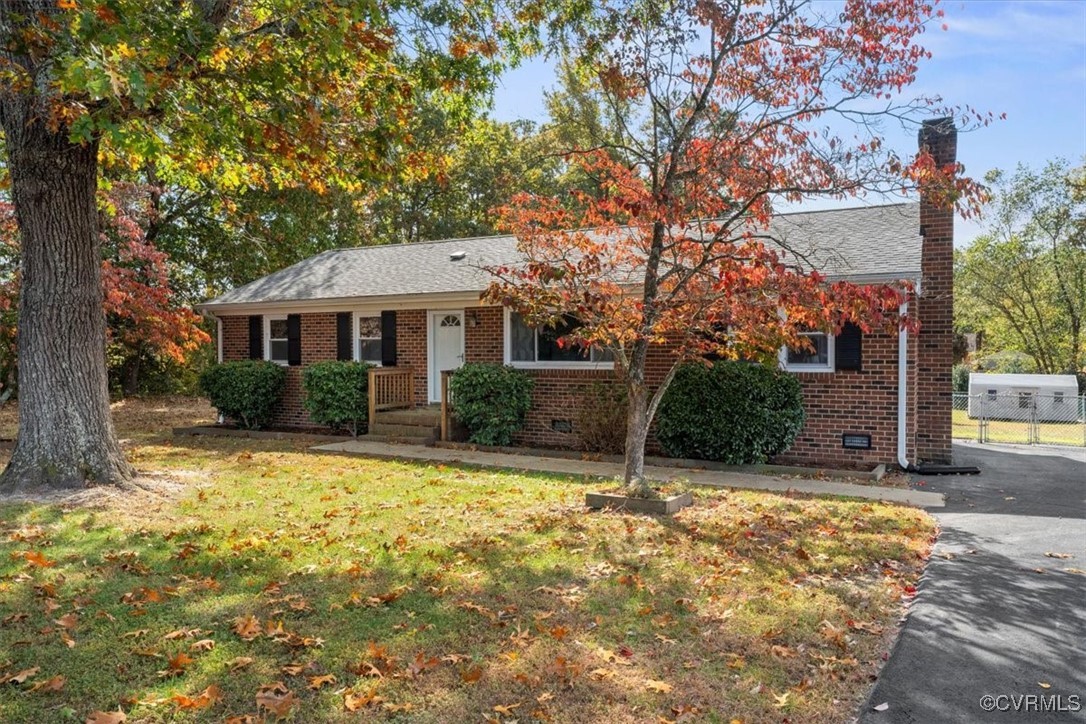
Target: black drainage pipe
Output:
[(930, 469)]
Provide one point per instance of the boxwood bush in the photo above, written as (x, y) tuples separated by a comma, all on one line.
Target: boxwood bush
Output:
[(736, 413), (491, 400), (336, 394), (246, 392)]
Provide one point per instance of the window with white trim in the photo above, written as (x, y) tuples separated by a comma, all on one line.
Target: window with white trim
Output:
[(539, 347), (818, 357), (276, 334), (368, 333)]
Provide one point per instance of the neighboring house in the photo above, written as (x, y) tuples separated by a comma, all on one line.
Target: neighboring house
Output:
[(417, 305)]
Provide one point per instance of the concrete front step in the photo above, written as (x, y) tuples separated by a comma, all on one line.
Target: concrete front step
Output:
[(424, 416), (380, 427)]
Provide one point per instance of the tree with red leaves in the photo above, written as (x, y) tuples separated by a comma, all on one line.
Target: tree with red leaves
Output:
[(142, 319), (717, 111)]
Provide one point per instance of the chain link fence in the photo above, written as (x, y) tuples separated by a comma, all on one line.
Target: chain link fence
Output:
[(1024, 418)]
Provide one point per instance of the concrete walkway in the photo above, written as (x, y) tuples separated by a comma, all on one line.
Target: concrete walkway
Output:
[(1001, 612), (566, 466)]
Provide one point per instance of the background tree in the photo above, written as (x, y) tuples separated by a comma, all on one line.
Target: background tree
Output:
[(145, 321), (722, 108), (1022, 284), (270, 94)]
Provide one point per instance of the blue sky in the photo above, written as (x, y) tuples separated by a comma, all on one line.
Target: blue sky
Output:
[(1025, 59)]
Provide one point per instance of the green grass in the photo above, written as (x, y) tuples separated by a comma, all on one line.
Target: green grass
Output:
[(1009, 431), (406, 582)]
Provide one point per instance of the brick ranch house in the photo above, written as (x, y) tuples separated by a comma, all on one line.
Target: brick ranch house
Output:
[(415, 310)]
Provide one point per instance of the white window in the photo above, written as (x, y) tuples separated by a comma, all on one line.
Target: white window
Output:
[(275, 331), (818, 357), (368, 346), (992, 395), (531, 347)]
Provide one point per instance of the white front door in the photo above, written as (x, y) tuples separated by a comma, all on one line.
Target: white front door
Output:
[(446, 347)]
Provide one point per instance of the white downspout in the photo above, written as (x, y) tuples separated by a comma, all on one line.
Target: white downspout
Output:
[(218, 338), (218, 351), (902, 391)]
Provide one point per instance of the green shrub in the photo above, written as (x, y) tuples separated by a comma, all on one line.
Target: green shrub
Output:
[(960, 375), (491, 400), (732, 412), (601, 422), (246, 392), (336, 394)]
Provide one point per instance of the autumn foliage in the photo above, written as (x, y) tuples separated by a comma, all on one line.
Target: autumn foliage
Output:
[(719, 111), (143, 318)]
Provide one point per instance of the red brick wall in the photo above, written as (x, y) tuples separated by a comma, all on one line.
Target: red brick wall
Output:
[(864, 402), (318, 345), (484, 339), (235, 338), (852, 401), (936, 308), (411, 348)]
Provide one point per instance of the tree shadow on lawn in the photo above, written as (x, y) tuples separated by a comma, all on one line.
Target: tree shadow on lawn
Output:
[(984, 624), (557, 618), (405, 605)]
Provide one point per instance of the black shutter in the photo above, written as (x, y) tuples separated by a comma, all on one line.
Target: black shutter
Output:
[(343, 337), (388, 339), (294, 339), (850, 345), (256, 337)]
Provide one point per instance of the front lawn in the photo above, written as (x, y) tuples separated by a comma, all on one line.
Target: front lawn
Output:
[(255, 578)]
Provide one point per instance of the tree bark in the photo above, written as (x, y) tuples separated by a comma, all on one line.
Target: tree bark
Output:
[(637, 432), (66, 437)]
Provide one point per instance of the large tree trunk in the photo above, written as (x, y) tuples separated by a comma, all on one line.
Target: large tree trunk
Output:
[(66, 436)]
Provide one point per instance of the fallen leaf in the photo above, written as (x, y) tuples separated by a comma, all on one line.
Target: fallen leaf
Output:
[(1044, 685), (660, 687), (276, 698), (239, 663), (355, 702), (204, 699), (247, 627), (22, 676), (176, 665), (880, 707), (35, 558), (506, 709), (316, 683), (107, 717), (1061, 556), (202, 645), (471, 675), (68, 620), (55, 683)]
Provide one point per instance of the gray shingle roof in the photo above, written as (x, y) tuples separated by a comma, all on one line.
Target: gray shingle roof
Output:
[(869, 243)]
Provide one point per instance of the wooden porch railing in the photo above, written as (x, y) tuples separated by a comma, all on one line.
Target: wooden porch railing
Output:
[(390, 388), (446, 404)]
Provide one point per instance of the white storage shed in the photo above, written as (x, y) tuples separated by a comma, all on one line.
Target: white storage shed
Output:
[(1052, 398)]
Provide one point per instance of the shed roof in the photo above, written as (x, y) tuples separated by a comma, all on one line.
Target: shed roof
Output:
[(1022, 380), (870, 243)]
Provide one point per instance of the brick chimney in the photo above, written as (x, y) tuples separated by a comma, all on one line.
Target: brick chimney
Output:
[(935, 358)]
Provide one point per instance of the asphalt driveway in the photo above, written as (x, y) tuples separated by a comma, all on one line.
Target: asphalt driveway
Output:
[(995, 616)]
